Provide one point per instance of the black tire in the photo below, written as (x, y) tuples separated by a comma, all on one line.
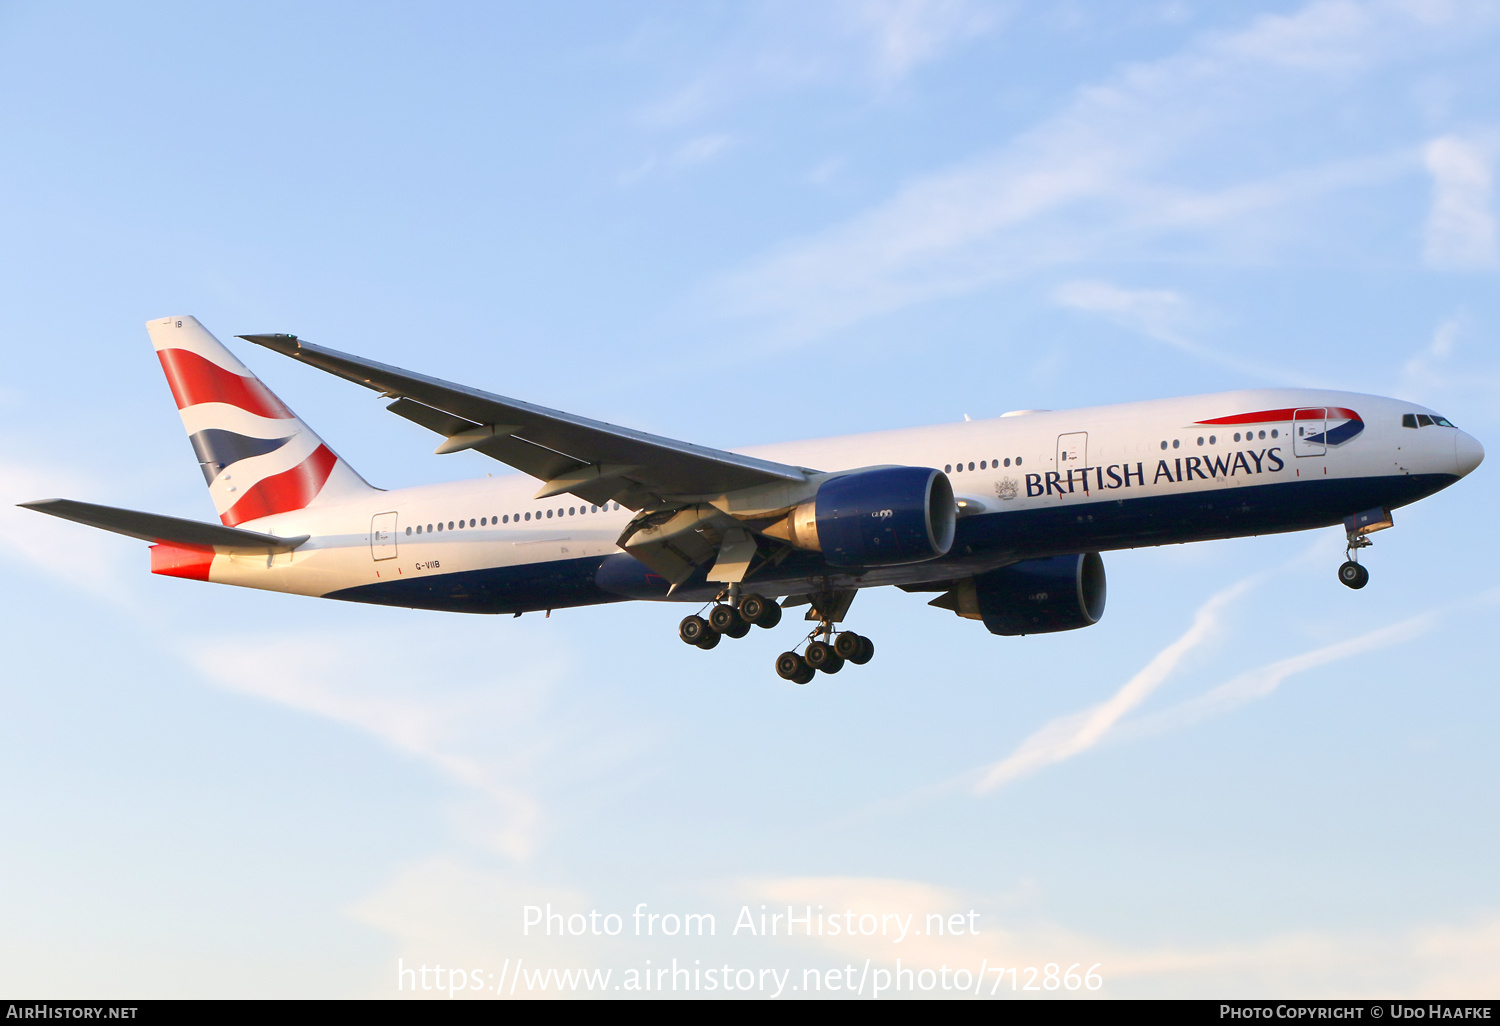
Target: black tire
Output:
[(1352, 575), (865, 654), (789, 666), (709, 640), (806, 676), (692, 629), (847, 645), (771, 617), (723, 618), (822, 657), (753, 608)]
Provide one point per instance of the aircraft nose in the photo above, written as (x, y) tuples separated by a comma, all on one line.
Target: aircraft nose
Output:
[(1468, 451)]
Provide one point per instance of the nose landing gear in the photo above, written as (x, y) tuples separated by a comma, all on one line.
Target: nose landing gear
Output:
[(1357, 529)]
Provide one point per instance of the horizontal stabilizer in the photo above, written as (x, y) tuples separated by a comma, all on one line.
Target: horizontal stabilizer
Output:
[(153, 527)]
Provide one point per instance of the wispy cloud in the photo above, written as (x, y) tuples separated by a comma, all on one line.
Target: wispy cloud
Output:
[(1069, 735), (1160, 314), (1455, 959), (906, 33), (1261, 681), (696, 151), (1460, 230), (491, 734), (1094, 179)]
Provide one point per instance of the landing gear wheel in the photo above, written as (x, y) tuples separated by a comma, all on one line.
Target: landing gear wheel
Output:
[(865, 654), (693, 629), (709, 640), (790, 666), (1352, 575), (822, 657), (846, 645), (725, 620), (760, 611)]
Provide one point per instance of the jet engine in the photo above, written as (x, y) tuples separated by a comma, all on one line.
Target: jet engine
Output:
[(880, 517), (1034, 596), (1039, 596)]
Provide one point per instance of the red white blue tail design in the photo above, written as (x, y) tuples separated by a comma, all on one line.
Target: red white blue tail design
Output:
[(259, 459)]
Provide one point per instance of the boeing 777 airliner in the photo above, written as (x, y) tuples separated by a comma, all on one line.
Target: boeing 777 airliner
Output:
[(1003, 520)]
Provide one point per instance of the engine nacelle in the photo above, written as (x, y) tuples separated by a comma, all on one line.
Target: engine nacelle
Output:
[(881, 517), (1038, 596)]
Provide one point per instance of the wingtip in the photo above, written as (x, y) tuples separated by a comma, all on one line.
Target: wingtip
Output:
[(279, 342)]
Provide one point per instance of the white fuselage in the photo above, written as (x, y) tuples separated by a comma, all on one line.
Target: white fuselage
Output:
[(1054, 477)]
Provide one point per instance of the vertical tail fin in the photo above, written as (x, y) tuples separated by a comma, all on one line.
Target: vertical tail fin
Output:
[(259, 459)]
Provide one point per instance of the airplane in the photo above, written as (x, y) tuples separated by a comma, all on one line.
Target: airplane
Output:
[(1002, 520)]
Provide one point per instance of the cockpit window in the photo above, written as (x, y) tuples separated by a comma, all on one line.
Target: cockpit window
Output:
[(1441, 421), (1423, 420), (1409, 420)]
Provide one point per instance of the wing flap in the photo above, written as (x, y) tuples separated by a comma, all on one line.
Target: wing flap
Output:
[(153, 527)]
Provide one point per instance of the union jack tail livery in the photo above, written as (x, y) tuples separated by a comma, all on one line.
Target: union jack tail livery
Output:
[(258, 458)]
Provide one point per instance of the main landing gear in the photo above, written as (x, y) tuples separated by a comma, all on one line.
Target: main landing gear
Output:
[(731, 621), (828, 655), (826, 650)]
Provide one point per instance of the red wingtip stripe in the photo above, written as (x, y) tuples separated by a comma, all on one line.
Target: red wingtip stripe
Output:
[(195, 380), (279, 493), (1269, 416), (181, 561)]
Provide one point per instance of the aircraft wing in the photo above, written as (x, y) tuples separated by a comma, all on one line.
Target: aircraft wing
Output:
[(588, 458), (153, 527)]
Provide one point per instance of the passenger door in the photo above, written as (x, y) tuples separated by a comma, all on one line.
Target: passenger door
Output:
[(1310, 432), (383, 536), (1072, 457)]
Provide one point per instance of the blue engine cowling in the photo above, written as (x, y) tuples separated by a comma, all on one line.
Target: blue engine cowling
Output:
[(885, 517), (1038, 596)]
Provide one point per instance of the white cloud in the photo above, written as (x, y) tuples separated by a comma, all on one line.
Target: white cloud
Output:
[(1069, 735), (1460, 230), (907, 33), (85, 557), (1092, 180), (699, 150), (491, 733), (1447, 960)]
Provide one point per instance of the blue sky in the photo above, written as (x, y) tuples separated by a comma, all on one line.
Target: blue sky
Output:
[(736, 224)]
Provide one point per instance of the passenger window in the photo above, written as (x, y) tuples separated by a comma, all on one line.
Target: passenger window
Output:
[(408, 532), (948, 468), (1007, 461), (1176, 443), (1423, 420), (1018, 461), (981, 464)]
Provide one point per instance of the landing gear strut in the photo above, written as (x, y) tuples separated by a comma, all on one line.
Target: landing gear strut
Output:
[(826, 650), (1351, 574)]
